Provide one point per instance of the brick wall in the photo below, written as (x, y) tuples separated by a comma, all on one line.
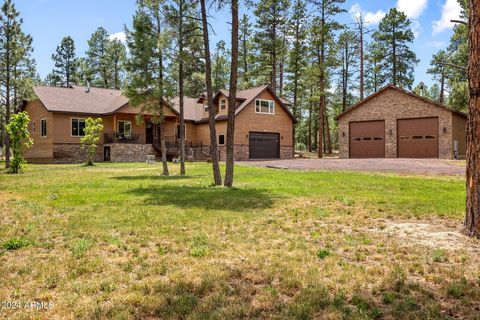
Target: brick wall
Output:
[(391, 105)]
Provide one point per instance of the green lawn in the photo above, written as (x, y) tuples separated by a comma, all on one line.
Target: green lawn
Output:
[(119, 241)]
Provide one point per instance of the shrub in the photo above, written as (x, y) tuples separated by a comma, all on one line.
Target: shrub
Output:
[(439, 255), (323, 253), (17, 130), (15, 243), (93, 130)]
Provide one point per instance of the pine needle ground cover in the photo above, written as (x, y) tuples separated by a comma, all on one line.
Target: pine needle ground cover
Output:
[(118, 241)]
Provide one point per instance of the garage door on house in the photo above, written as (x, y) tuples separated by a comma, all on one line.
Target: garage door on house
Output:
[(367, 139), (417, 138), (264, 145)]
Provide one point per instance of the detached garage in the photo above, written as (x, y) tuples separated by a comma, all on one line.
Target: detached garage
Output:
[(394, 123)]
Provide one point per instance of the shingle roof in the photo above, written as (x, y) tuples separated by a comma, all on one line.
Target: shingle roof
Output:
[(106, 101), (391, 86), (77, 100), (245, 96)]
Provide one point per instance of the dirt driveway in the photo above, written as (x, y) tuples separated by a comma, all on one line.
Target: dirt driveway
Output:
[(415, 166)]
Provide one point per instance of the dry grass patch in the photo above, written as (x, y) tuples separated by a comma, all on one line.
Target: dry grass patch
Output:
[(120, 242)]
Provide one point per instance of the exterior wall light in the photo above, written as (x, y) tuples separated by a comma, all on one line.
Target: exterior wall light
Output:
[(444, 129), (343, 134), (390, 132)]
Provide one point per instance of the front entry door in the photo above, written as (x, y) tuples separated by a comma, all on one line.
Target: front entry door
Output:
[(149, 132)]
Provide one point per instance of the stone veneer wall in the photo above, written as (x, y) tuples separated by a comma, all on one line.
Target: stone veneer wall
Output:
[(73, 153), (390, 106), (130, 152)]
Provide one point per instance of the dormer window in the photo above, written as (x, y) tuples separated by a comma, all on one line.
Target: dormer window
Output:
[(223, 104), (264, 106)]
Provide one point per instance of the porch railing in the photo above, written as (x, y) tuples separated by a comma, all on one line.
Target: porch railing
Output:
[(117, 137)]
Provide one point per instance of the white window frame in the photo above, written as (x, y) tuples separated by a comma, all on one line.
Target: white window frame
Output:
[(224, 139), (71, 127), (223, 104), (41, 128), (271, 107), (126, 121)]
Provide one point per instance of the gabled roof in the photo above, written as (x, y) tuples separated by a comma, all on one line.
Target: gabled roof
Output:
[(193, 108), (379, 92), (75, 99)]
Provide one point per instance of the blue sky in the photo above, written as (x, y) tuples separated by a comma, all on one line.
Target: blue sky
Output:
[(48, 21)]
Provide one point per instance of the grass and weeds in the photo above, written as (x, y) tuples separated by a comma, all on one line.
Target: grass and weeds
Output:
[(119, 241)]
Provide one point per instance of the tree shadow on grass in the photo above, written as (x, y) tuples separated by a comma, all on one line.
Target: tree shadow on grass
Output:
[(153, 177), (213, 198)]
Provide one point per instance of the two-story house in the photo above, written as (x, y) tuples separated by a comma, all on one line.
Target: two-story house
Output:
[(263, 125)]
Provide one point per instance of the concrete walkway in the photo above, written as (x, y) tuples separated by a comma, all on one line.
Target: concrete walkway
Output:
[(414, 166)]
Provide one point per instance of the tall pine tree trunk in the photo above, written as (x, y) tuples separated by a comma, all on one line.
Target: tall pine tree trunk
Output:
[(442, 88), (321, 106), (163, 146), (472, 217), (232, 97), (310, 115), (362, 80), (217, 178), (180, 88), (7, 102), (328, 138)]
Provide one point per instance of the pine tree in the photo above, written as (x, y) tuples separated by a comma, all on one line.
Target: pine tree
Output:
[(348, 52), (296, 59), (66, 61), (271, 16), (374, 78), (179, 14), (97, 59), (393, 36), (472, 213), (421, 89), (232, 96), (217, 177), (221, 67), (116, 55), (145, 83), (439, 70), (16, 65), (322, 34), (245, 56), (434, 93)]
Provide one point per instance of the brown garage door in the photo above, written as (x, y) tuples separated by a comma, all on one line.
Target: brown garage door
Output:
[(264, 145), (417, 138), (367, 139)]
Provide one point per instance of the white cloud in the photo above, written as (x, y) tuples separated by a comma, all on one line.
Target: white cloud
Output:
[(119, 36), (416, 28), (450, 10), (412, 8), (370, 18), (436, 44)]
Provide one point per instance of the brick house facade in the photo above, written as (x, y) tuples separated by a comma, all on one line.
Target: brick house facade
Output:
[(392, 105)]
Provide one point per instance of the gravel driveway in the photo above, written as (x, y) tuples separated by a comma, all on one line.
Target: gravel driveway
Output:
[(415, 166)]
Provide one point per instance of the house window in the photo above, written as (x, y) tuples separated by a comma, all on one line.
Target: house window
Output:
[(33, 127), (264, 106), (125, 128), (223, 104), (205, 107), (221, 139), (184, 131), (78, 127), (43, 127)]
